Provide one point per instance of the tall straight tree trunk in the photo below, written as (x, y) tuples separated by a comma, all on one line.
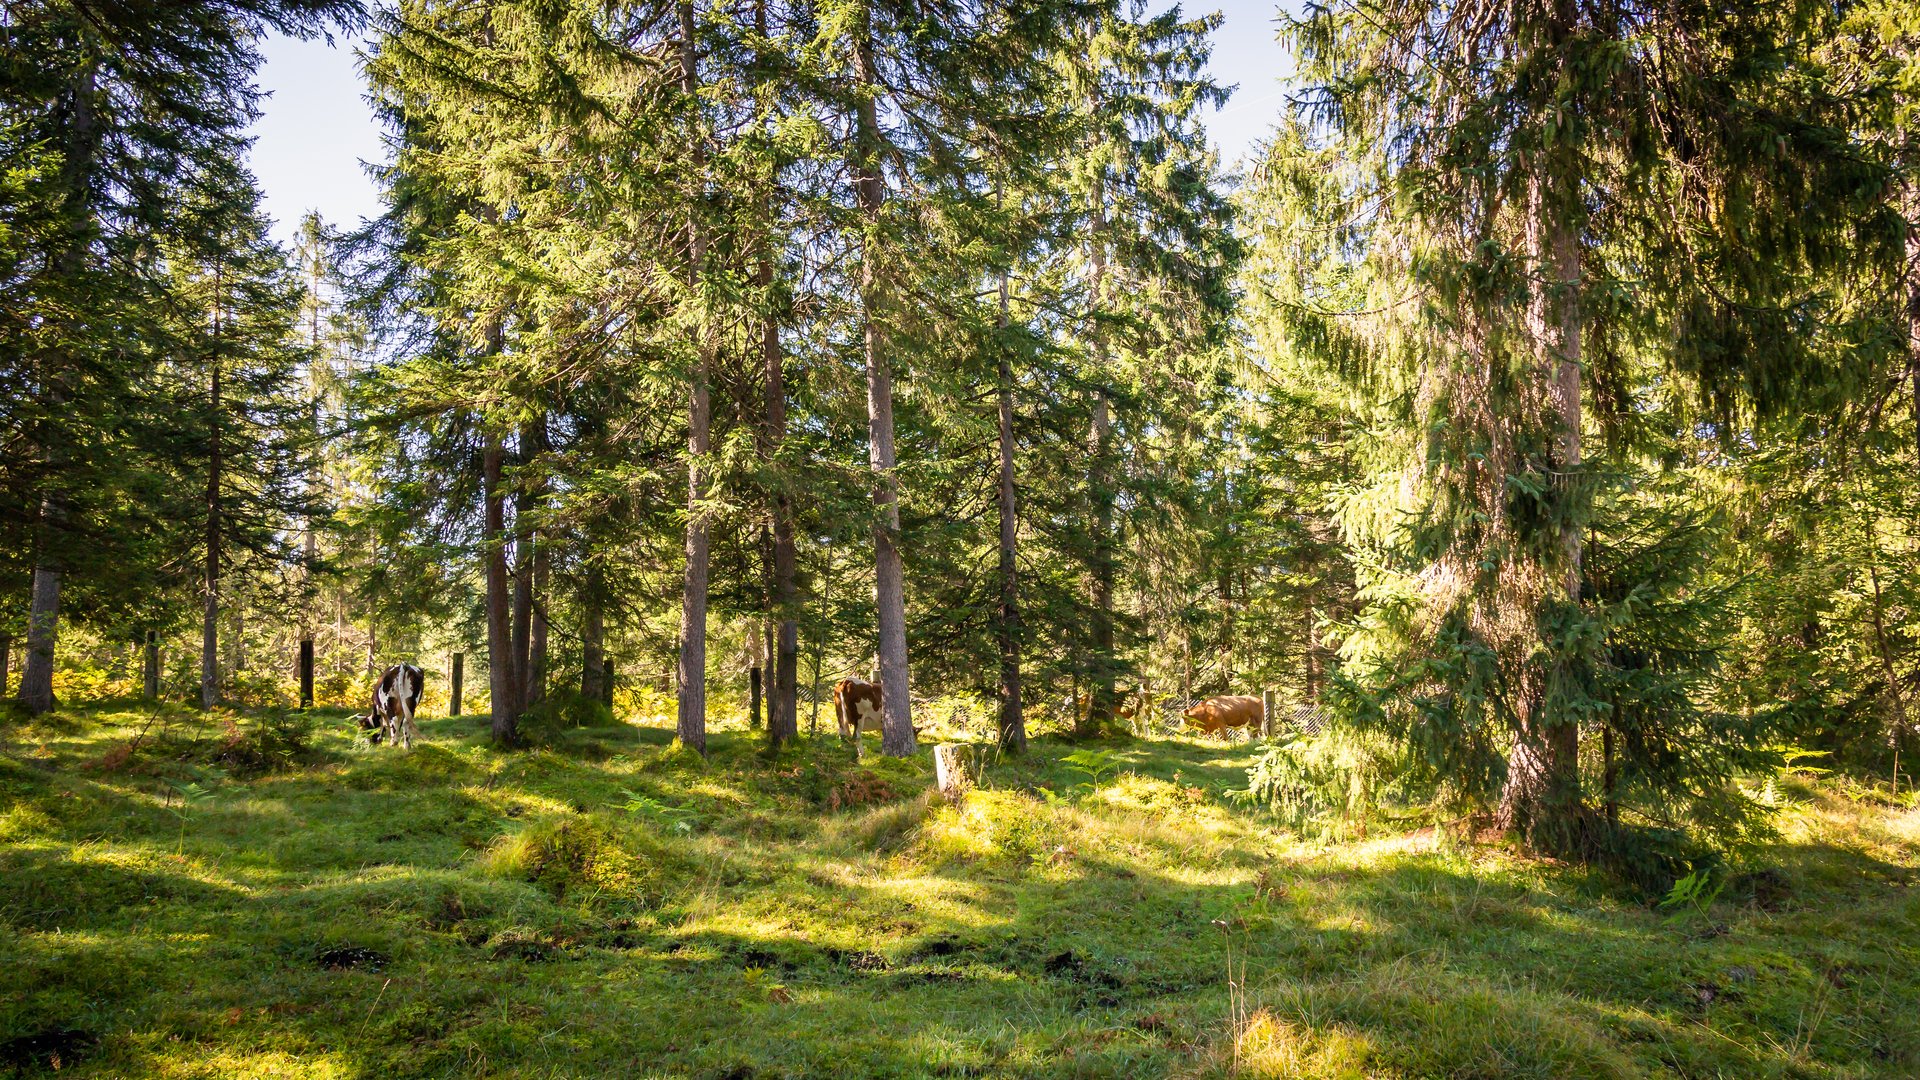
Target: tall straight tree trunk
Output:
[(1100, 697), (523, 544), (310, 539), (503, 693), (542, 558), (783, 719), (1542, 795), (592, 636), (6, 659), (210, 627), (43, 615), (1913, 304), (1013, 723), (692, 720), (889, 576)]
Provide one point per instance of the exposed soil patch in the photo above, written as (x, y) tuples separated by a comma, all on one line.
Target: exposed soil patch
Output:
[(350, 958), (55, 1048)]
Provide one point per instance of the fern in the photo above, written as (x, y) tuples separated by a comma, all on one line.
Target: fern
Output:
[(673, 818)]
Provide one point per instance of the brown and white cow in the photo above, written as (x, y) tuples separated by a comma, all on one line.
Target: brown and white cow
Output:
[(395, 697), (1217, 714), (856, 706)]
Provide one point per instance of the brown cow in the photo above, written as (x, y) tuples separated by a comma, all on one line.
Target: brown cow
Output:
[(856, 706), (1217, 714)]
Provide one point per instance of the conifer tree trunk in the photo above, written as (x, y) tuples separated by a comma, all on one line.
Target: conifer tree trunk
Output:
[(592, 637), (889, 590), (43, 616), (310, 539), (783, 696), (1013, 723), (6, 659), (210, 627), (692, 720), (523, 544), (541, 554), (1312, 635), (1542, 795), (1913, 303), (503, 694), (1099, 713)]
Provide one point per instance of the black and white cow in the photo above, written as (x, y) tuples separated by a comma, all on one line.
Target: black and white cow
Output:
[(395, 697)]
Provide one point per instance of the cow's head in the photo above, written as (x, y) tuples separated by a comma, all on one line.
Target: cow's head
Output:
[(372, 724)]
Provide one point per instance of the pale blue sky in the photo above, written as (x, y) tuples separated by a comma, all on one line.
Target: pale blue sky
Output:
[(315, 129)]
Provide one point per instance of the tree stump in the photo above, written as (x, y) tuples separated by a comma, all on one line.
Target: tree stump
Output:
[(953, 770)]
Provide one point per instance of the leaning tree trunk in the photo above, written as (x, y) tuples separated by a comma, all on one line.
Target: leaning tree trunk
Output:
[(503, 692), (692, 719), (1541, 800), (889, 587), (1013, 723)]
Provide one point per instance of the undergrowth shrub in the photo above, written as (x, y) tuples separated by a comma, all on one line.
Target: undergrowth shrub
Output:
[(582, 858), (1005, 825), (270, 742), (1338, 780), (559, 711), (860, 789)]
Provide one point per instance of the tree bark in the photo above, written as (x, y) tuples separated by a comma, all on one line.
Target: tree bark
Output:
[(692, 720), (523, 543), (6, 659), (592, 636), (1099, 714), (783, 701), (43, 618), (897, 737), (783, 721), (503, 693), (210, 626), (1013, 723), (537, 653), (1542, 800)]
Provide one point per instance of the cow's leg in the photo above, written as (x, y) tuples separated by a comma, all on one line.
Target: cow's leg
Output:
[(408, 729)]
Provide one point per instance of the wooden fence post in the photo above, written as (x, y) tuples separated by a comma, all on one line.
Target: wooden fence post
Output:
[(151, 666), (459, 680), (306, 673)]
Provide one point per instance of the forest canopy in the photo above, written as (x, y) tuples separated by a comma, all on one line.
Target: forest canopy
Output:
[(1534, 417)]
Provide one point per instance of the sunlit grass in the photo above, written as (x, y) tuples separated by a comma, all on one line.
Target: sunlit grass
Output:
[(460, 912)]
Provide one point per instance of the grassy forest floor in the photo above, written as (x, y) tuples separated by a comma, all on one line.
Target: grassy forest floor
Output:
[(231, 899)]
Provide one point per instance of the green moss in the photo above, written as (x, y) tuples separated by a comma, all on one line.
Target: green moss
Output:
[(494, 913)]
